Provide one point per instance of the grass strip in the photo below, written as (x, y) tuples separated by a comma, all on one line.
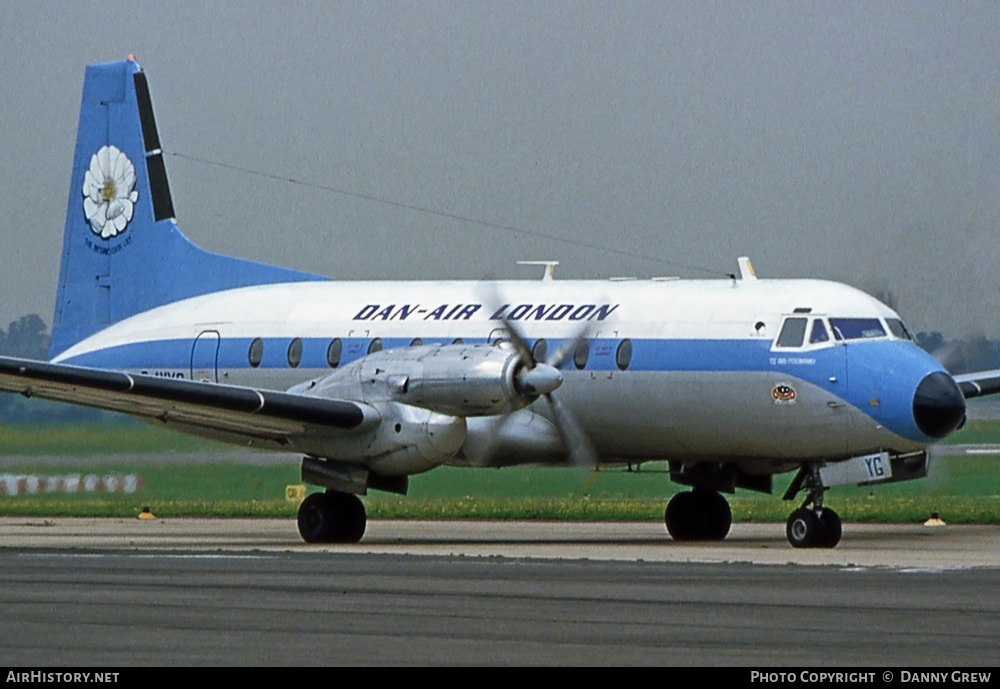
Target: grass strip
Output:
[(959, 489)]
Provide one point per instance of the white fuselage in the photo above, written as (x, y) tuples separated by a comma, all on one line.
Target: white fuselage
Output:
[(704, 376)]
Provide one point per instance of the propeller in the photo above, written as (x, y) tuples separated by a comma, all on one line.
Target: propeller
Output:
[(542, 379)]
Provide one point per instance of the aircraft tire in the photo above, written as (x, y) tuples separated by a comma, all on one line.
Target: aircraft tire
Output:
[(804, 529), (352, 518), (332, 517), (831, 522), (717, 517), (316, 519), (698, 515), (681, 517)]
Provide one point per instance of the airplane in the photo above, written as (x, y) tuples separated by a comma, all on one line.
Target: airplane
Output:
[(730, 381)]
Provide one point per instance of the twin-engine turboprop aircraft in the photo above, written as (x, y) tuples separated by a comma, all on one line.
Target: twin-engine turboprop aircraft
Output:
[(730, 381)]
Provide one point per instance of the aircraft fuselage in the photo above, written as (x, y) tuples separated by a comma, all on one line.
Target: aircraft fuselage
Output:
[(672, 369)]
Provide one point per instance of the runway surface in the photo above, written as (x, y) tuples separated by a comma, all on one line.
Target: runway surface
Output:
[(118, 593), (867, 545)]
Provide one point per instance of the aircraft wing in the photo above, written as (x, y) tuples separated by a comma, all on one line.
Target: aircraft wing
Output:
[(264, 414), (979, 383)]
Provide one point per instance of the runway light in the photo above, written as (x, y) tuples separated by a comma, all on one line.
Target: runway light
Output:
[(934, 520), (146, 513)]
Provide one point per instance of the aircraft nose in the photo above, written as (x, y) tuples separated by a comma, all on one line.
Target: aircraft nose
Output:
[(938, 405)]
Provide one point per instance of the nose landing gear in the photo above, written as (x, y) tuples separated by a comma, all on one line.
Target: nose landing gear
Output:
[(810, 528), (815, 526)]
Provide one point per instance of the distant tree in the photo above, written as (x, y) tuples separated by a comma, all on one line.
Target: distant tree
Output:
[(978, 354), (930, 342), (27, 337)]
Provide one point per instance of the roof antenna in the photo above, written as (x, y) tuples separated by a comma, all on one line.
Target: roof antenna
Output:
[(550, 267), (746, 269)]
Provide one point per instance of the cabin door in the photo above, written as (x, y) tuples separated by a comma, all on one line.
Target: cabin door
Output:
[(205, 356)]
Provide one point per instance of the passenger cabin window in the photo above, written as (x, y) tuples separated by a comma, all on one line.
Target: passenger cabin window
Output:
[(793, 332), (857, 328), (819, 333), (256, 352), (581, 354), (334, 352), (540, 351), (897, 328), (295, 352), (623, 357)]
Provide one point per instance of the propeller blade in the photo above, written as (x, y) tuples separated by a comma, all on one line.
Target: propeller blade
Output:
[(517, 338), (481, 446), (566, 352), (581, 451)]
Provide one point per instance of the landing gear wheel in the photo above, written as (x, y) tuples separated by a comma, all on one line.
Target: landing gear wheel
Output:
[(805, 529), (814, 526), (353, 519), (332, 517), (718, 516), (698, 515), (681, 517), (831, 521)]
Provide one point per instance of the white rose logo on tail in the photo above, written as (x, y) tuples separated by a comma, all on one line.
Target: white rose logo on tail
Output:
[(109, 193)]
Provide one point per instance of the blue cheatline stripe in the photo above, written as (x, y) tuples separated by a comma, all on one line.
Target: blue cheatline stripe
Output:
[(647, 355), (883, 374)]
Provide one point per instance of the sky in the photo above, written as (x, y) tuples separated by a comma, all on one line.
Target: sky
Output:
[(854, 141)]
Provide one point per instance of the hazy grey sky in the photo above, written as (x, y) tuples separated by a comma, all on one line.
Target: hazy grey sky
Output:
[(858, 142)]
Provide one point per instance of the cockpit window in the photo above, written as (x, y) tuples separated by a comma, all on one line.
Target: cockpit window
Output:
[(897, 328), (792, 333), (857, 328), (818, 333)]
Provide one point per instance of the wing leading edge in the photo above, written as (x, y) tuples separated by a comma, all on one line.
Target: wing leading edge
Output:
[(264, 414), (979, 384)]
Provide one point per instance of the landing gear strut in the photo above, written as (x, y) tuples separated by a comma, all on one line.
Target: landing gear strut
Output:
[(332, 517), (698, 515), (816, 526)]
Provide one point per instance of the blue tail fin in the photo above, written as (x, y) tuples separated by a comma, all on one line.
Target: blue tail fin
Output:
[(122, 251)]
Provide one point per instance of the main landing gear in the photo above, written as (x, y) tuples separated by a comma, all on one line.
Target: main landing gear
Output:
[(704, 515), (332, 517), (698, 515), (816, 526)]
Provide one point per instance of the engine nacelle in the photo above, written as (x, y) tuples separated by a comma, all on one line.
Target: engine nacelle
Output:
[(457, 380), (401, 440)]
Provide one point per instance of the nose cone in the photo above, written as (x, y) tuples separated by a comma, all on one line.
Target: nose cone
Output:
[(540, 380), (938, 405)]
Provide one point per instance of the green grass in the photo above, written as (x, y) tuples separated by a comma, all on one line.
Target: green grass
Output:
[(98, 439), (975, 432), (961, 489)]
